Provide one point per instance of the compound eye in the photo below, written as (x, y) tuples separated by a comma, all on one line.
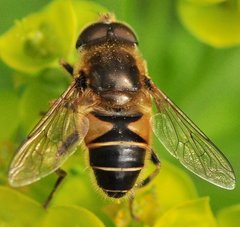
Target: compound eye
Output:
[(92, 33), (103, 32), (124, 33)]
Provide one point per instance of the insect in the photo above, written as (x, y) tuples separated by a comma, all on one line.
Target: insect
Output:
[(108, 107)]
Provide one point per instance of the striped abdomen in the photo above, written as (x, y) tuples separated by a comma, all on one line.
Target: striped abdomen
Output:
[(117, 153)]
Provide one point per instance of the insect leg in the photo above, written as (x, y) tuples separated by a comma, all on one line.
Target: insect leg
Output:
[(61, 175), (133, 215), (155, 160), (67, 67)]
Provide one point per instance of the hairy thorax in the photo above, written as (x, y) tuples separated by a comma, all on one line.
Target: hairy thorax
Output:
[(113, 73)]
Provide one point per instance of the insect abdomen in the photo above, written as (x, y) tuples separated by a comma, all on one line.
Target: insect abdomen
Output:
[(117, 167), (117, 156)]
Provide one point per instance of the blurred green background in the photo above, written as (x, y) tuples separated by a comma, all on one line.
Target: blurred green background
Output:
[(203, 80)]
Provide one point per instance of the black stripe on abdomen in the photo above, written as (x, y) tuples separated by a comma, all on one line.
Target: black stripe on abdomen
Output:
[(120, 131), (117, 167), (120, 156), (116, 180)]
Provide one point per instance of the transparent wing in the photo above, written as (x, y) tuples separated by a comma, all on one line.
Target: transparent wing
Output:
[(51, 142), (186, 142)]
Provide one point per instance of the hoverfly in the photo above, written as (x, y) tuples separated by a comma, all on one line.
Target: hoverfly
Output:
[(108, 107)]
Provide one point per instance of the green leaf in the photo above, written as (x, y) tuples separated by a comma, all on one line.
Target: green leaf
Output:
[(18, 210), (217, 25), (85, 196), (35, 100), (175, 182), (9, 118), (229, 217), (195, 213), (171, 187), (87, 12), (63, 216), (40, 39)]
